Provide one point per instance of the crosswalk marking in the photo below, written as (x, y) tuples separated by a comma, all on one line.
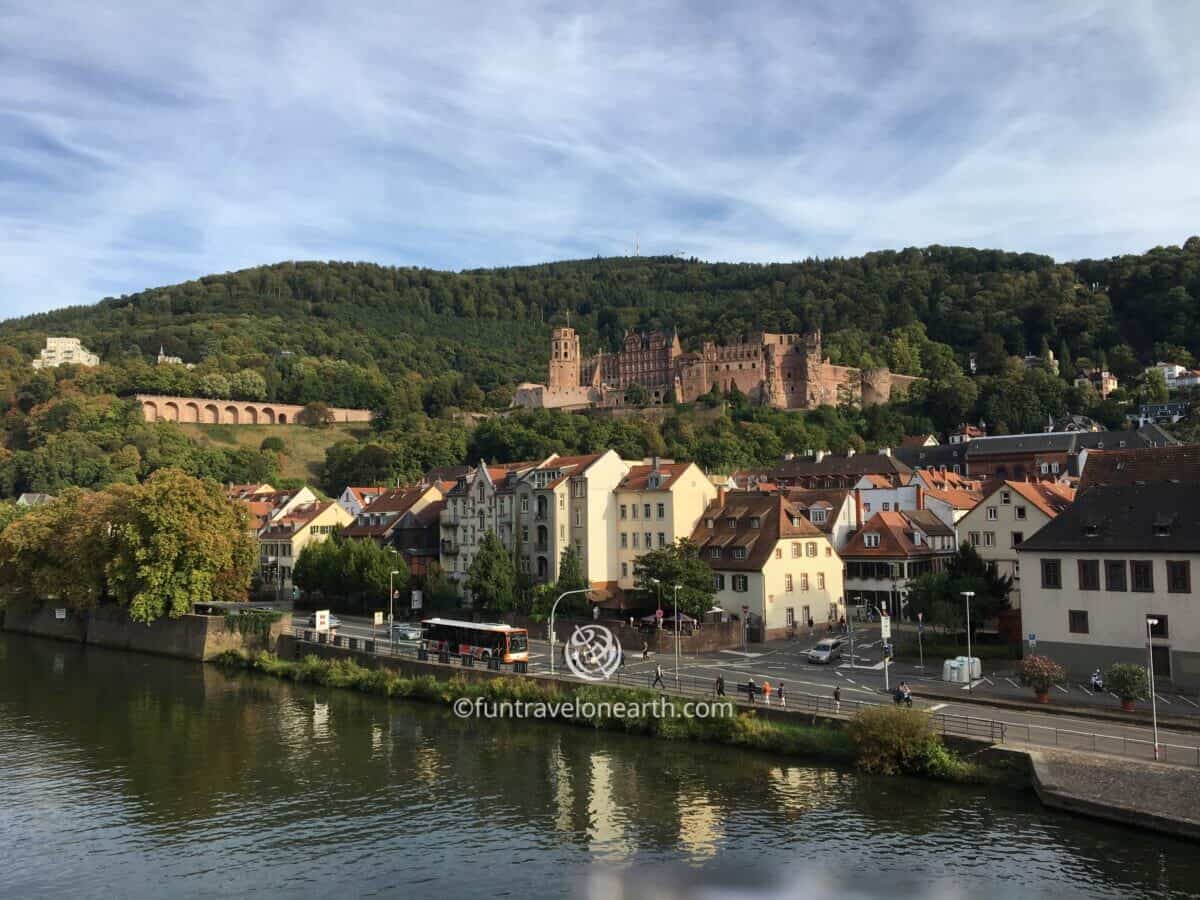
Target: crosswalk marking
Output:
[(939, 706), (1063, 689), (1162, 699), (1013, 683), (1186, 700), (1086, 691)]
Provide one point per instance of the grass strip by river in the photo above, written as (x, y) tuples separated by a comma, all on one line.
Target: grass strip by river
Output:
[(881, 740)]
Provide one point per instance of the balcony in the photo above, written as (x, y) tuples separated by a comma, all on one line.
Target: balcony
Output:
[(541, 547), (449, 547)]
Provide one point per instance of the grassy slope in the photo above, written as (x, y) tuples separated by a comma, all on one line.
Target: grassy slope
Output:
[(305, 446)]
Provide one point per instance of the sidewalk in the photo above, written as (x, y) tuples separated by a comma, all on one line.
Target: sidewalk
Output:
[(1141, 717)]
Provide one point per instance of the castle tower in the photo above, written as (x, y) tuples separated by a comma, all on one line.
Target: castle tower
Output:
[(564, 359)]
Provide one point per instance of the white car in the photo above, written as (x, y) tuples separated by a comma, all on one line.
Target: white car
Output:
[(404, 632)]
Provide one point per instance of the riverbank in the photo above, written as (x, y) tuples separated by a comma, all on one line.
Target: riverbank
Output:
[(593, 706)]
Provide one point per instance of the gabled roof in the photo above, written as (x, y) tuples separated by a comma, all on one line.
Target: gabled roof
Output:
[(895, 530), (856, 464), (804, 499), (378, 519), (1149, 518), (1177, 464), (638, 477), (364, 495), (295, 520), (918, 440), (777, 520)]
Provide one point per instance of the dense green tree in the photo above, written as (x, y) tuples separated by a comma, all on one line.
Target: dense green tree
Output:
[(679, 564), (492, 578)]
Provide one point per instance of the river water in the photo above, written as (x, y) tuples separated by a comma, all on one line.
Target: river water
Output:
[(132, 776)]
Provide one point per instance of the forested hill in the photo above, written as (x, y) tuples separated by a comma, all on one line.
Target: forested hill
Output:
[(489, 327)]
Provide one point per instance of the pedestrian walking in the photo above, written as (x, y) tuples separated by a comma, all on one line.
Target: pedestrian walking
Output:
[(766, 692), (720, 685), (779, 691), (810, 628), (658, 679), (751, 687), (837, 698), (842, 623), (645, 651)]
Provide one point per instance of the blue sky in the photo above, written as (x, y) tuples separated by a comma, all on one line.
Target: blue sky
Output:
[(144, 144)]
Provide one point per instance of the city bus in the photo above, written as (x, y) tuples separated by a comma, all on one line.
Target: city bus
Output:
[(481, 640)]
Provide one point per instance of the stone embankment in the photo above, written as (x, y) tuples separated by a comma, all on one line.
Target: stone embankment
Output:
[(1155, 796), (188, 637)]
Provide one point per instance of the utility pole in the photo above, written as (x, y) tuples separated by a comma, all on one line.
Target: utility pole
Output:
[(969, 595)]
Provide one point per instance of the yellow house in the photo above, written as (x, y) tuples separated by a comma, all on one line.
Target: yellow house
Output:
[(657, 503), (770, 562), (281, 540)]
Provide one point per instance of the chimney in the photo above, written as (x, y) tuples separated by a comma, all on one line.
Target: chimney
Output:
[(721, 495), (920, 494), (849, 452), (858, 517), (655, 458), (819, 455)]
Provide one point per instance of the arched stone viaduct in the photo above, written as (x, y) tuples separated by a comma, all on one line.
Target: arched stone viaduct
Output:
[(205, 411)]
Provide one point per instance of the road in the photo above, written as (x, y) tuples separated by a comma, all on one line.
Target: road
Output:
[(786, 661)]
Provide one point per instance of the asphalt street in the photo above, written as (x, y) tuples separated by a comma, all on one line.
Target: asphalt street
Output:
[(863, 679)]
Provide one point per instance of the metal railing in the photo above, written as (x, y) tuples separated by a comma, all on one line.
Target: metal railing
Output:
[(792, 701)]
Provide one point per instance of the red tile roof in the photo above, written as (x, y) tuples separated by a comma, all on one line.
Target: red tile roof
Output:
[(894, 530), (639, 476), (1048, 496), (777, 520)]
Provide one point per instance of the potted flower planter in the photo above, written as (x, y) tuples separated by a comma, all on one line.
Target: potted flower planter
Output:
[(1043, 696), (1127, 704)]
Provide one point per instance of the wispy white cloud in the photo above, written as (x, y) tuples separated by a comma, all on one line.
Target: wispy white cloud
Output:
[(141, 144)]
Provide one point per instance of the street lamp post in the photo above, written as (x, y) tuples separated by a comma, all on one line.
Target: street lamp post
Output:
[(391, 597), (554, 609), (850, 626), (886, 684), (969, 595), (1150, 623), (677, 636)]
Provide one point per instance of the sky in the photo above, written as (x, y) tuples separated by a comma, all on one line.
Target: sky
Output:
[(144, 144)]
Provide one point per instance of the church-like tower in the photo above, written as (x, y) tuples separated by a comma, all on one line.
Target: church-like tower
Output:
[(564, 359)]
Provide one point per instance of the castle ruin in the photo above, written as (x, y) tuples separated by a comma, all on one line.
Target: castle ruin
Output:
[(784, 371)]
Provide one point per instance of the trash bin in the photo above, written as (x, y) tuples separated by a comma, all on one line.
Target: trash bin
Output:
[(971, 668), (953, 671)]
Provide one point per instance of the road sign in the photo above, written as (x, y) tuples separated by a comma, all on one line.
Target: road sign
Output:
[(417, 598), (1032, 641), (887, 651), (885, 627), (322, 620), (379, 617)]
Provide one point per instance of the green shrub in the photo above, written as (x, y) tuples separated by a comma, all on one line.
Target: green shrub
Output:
[(274, 444), (891, 740), (1127, 681)]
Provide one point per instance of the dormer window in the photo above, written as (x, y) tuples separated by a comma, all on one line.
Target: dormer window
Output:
[(1006, 497), (710, 523), (755, 522), (1091, 529), (871, 539), (730, 522), (739, 552), (653, 482), (1163, 525), (714, 552)]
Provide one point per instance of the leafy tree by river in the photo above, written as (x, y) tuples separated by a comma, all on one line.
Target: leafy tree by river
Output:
[(155, 548)]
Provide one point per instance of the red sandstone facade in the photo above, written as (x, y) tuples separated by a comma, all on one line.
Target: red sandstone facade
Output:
[(785, 371), (233, 412)]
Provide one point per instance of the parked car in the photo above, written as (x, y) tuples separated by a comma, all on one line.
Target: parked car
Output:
[(404, 632), (334, 621), (826, 651)]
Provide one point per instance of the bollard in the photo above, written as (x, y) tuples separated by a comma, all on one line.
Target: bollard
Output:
[(467, 660), (352, 643), (520, 667), (494, 663), (308, 636), (369, 646)]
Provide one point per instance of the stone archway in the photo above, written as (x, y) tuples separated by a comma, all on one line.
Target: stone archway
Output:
[(251, 415), (231, 415), (282, 420), (171, 411), (150, 410), (212, 415), (268, 415), (191, 412)]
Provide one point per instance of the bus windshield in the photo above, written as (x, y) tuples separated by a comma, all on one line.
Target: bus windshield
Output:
[(518, 642)]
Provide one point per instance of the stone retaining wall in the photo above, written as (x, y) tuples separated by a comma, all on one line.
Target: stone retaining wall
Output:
[(188, 637)]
